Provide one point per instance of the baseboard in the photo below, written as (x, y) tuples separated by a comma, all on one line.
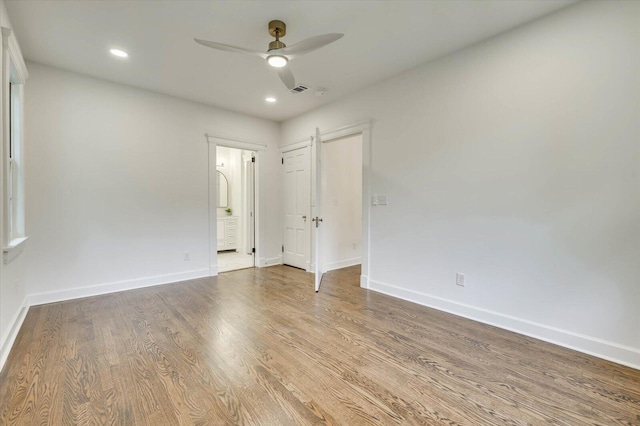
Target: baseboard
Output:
[(213, 270), (269, 261), (364, 281), (342, 264), (610, 351), (16, 324), (95, 290)]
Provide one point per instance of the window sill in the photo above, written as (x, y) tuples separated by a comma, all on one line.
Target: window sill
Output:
[(14, 248)]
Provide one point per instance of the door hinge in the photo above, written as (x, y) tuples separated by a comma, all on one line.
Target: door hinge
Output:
[(253, 250), (253, 159), (283, 248), (283, 161)]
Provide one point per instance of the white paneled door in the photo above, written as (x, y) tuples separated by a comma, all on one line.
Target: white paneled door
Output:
[(297, 202)]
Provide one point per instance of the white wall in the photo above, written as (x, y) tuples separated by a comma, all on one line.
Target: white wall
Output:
[(117, 184), (12, 275), (516, 162), (342, 202)]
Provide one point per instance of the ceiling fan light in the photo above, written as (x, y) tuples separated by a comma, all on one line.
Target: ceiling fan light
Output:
[(277, 61)]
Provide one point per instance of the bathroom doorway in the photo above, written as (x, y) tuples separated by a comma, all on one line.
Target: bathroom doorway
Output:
[(235, 208)]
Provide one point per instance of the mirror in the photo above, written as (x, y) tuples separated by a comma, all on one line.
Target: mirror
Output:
[(223, 190)]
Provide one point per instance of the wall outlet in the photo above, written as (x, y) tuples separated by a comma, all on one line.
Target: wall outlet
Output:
[(355, 246), (187, 257), (459, 279)]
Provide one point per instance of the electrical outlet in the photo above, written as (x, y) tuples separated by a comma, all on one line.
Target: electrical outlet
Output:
[(382, 200), (459, 279), (355, 246), (187, 257)]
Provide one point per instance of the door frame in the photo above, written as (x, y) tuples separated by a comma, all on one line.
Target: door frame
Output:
[(213, 142), (365, 129)]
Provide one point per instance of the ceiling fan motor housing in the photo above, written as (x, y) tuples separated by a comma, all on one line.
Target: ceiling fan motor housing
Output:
[(277, 29), (276, 44)]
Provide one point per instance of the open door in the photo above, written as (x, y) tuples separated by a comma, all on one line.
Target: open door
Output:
[(317, 219), (249, 205)]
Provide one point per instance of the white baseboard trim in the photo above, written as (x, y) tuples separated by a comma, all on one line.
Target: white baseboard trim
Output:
[(213, 270), (610, 351), (270, 261), (364, 281), (95, 290), (342, 264), (16, 324)]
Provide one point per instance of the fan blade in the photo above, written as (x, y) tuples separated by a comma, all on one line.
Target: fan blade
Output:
[(229, 48), (287, 78), (309, 45)]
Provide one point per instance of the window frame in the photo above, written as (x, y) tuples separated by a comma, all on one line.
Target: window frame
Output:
[(14, 76)]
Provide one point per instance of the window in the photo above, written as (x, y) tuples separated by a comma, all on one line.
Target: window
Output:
[(15, 200), (13, 77)]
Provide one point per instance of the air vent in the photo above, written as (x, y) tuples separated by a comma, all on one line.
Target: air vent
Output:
[(299, 89)]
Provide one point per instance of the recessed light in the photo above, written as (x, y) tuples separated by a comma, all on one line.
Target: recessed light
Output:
[(119, 53), (270, 100)]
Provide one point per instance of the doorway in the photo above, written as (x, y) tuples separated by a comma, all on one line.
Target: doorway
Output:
[(341, 192), (235, 208)]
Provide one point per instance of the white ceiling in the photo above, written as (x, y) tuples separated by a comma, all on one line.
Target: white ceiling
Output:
[(382, 39)]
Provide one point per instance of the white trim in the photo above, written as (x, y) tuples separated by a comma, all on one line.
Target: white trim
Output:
[(14, 328), (349, 130), (235, 143), (262, 262), (364, 281), (610, 351), (114, 287), (11, 43), (342, 264), (212, 143), (14, 248), (296, 145), (365, 129)]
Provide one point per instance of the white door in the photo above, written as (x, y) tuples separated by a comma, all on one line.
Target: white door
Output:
[(317, 213), (248, 204), (297, 201)]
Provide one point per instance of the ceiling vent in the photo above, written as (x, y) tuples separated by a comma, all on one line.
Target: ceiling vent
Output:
[(299, 89)]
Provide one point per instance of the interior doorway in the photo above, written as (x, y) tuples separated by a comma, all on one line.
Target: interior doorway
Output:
[(235, 208), (320, 205), (341, 192)]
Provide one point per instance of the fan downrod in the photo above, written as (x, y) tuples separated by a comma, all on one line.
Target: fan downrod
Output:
[(277, 29)]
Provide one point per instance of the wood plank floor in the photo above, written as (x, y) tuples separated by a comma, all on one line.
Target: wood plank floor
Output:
[(258, 346)]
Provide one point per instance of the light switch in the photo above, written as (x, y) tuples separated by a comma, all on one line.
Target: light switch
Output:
[(382, 200)]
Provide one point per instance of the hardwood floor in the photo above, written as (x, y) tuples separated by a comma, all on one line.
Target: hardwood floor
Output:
[(258, 346)]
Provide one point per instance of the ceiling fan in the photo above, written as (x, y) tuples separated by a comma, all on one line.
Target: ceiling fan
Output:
[(278, 55)]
